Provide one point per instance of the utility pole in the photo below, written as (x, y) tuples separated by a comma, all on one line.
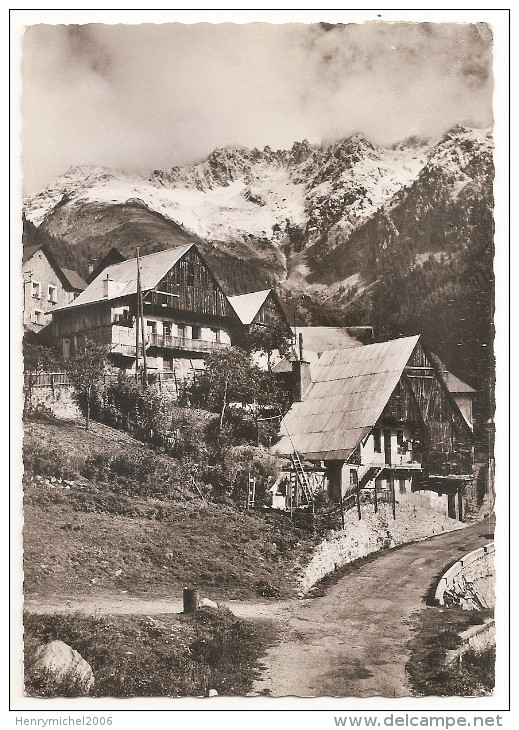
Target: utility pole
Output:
[(141, 317), (137, 323)]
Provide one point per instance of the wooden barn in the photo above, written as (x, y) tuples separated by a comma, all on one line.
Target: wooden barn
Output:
[(185, 313), (377, 423)]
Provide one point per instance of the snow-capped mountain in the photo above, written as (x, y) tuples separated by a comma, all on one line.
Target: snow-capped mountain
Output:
[(314, 212), (400, 238)]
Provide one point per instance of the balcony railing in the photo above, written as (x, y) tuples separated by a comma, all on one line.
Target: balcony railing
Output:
[(184, 343)]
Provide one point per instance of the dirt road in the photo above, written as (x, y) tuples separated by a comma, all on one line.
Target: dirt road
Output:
[(352, 642)]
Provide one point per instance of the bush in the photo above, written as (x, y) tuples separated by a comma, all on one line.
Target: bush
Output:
[(267, 590), (145, 657), (153, 418), (230, 477), (46, 462)]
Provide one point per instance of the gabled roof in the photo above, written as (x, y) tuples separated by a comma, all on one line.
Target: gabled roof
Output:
[(317, 340), (75, 281), (247, 306), (123, 275), (350, 389), (455, 385), (70, 280), (29, 251), (114, 256)]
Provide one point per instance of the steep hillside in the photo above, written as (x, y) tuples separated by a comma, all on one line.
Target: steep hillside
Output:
[(95, 531)]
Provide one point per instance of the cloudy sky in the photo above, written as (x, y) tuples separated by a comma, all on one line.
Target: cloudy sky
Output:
[(145, 97)]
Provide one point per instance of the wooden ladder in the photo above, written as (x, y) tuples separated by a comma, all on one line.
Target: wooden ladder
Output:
[(370, 474), (302, 478)]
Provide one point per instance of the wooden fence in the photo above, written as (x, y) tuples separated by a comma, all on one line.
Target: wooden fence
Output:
[(46, 380), (41, 380)]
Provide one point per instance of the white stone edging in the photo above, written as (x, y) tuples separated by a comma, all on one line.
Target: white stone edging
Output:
[(447, 579)]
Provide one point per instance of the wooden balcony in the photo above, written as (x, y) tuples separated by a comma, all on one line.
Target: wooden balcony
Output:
[(169, 342)]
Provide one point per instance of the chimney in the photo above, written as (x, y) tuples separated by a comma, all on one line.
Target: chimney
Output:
[(108, 289), (301, 379)]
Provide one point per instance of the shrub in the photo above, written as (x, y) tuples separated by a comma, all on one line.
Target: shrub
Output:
[(145, 657), (267, 590), (230, 477), (45, 461)]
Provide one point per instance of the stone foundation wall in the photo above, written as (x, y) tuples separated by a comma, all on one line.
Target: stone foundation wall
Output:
[(60, 400), (372, 533)]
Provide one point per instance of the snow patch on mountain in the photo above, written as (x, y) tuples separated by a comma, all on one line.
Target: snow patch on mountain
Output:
[(289, 201)]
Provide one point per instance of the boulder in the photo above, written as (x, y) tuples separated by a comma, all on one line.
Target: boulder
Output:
[(207, 603), (64, 666), (212, 693)]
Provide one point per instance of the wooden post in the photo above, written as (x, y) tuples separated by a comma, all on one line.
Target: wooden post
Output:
[(141, 317), (190, 596), (375, 500), (341, 501), (358, 501), (137, 323), (393, 498)]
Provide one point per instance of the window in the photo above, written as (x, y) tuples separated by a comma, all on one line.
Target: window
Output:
[(182, 330), (197, 332), (166, 328), (36, 290), (400, 438), (37, 317), (377, 445), (353, 478), (216, 333), (401, 486), (52, 294)]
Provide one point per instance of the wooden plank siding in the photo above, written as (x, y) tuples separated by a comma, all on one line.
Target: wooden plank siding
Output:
[(271, 313), (448, 449), (189, 287)]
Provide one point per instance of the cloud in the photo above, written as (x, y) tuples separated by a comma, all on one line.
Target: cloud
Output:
[(150, 96)]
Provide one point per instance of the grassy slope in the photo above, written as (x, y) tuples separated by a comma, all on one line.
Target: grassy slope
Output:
[(93, 538), (436, 632)]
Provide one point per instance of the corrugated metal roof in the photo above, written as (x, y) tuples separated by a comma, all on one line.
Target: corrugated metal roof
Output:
[(455, 385), (153, 267), (349, 391), (317, 340), (247, 306)]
